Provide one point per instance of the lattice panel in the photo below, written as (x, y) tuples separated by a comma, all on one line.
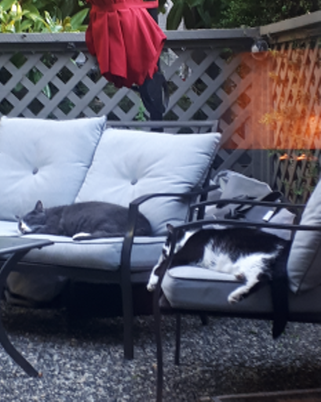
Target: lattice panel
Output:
[(209, 84), (297, 127), (204, 83), (60, 86)]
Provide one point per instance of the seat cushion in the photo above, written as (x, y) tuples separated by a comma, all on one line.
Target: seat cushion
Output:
[(44, 160), (304, 263), (195, 288), (9, 229), (131, 163), (98, 253)]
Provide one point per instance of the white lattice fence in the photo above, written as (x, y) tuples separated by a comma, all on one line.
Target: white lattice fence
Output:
[(296, 76), (208, 73)]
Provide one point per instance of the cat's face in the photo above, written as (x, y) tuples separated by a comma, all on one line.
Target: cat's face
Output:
[(182, 236), (32, 221), (181, 239)]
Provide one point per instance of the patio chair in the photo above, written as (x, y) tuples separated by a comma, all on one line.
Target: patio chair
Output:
[(184, 293)]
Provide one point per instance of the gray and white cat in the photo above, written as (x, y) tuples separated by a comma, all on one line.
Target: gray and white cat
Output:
[(247, 254), (85, 220)]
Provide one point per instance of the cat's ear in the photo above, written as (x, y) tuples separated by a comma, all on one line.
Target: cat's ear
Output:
[(39, 206), (170, 228)]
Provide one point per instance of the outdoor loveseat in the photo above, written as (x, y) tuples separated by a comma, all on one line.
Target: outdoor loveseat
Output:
[(63, 162)]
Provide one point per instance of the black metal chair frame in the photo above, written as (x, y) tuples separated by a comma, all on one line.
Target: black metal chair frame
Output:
[(123, 276), (162, 306), (13, 257)]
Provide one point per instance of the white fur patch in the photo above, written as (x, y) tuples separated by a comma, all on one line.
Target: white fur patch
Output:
[(24, 228), (216, 260), (247, 268), (153, 279), (80, 235)]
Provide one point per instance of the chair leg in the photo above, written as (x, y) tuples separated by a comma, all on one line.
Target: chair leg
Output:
[(159, 347), (204, 318), (178, 339), (128, 317), (4, 340)]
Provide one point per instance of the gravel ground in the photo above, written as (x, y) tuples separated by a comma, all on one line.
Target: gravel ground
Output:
[(83, 360)]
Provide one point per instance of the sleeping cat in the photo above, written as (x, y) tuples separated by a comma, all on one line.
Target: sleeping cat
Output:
[(85, 220), (247, 254)]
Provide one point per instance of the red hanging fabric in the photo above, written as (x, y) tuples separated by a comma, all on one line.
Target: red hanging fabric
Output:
[(125, 39)]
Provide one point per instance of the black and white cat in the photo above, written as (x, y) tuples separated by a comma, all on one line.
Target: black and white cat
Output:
[(247, 254), (85, 220)]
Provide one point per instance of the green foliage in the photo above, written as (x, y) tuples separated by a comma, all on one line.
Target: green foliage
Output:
[(195, 13), (41, 16), (59, 9), (236, 13), (260, 12), (140, 116)]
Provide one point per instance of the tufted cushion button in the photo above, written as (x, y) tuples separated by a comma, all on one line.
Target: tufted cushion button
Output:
[(35, 171), (134, 181)]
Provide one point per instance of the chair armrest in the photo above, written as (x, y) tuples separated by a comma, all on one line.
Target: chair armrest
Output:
[(223, 201), (190, 194), (247, 224), (134, 207), (132, 219)]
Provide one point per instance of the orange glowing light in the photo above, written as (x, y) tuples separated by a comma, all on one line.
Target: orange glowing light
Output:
[(298, 158)]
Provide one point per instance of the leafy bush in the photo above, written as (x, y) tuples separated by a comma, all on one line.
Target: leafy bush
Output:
[(195, 13), (59, 9), (262, 12), (236, 13), (33, 16)]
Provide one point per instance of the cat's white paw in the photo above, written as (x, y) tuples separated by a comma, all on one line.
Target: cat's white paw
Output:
[(80, 236), (153, 280), (234, 297)]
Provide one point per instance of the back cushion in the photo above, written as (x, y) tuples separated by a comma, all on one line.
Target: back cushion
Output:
[(45, 160), (304, 263), (131, 163)]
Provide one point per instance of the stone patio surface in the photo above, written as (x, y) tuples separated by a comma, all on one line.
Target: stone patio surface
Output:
[(83, 360)]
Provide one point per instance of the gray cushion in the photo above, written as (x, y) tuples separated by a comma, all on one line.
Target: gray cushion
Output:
[(194, 288), (99, 253), (304, 263), (44, 159), (131, 163), (9, 228), (197, 288)]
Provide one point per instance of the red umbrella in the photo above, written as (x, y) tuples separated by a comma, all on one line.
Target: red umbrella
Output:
[(125, 39)]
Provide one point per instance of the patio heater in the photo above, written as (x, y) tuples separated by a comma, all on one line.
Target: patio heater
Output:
[(125, 38)]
